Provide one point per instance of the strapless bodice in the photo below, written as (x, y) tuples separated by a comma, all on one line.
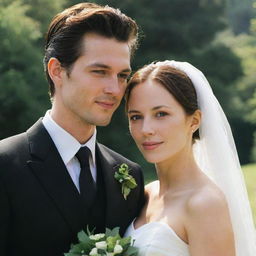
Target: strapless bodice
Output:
[(157, 239)]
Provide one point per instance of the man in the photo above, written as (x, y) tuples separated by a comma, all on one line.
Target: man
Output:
[(44, 197)]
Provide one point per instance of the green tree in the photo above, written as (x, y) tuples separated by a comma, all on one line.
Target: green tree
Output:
[(253, 20), (43, 11), (17, 67), (253, 154), (243, 95), (239, 15), (172, 29), (23, 88)]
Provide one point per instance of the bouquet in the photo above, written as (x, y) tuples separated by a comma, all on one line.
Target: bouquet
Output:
[(109, 243)]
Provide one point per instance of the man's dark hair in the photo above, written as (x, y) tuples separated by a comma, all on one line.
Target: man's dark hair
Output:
[(68, 28)]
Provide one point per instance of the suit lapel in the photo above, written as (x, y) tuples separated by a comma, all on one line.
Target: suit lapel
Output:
[(51, 172), (117, 208)]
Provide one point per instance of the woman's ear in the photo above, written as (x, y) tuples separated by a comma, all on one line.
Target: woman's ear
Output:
[(55, 71), (196, 120)]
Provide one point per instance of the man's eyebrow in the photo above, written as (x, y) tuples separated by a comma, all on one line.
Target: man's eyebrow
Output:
[(100, 65), (127, 70)]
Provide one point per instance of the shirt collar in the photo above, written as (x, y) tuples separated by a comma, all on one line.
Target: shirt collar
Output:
[(66, 144)]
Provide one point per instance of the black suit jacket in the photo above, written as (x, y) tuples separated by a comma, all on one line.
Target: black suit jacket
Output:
[(40, 209)]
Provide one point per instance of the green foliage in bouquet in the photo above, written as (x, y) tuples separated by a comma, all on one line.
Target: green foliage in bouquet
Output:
[(109, 243)]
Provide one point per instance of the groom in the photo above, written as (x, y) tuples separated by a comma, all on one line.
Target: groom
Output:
[(49, 191)]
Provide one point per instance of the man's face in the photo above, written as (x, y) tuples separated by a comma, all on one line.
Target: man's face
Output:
[(93, 89)]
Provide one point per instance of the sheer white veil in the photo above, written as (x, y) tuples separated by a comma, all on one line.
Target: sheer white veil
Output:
[(216, 155)]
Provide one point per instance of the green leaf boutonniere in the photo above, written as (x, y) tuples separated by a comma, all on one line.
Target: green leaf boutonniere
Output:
[(127, 181)]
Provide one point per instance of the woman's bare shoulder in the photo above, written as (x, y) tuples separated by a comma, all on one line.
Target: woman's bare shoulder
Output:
[(208, 196), (208, 222), (151, 187), (205, 200), (207, 210)]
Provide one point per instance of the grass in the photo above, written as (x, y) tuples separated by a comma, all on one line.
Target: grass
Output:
[(249, 171)]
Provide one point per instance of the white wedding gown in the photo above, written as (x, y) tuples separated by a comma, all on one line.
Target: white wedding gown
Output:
[(157, 239)]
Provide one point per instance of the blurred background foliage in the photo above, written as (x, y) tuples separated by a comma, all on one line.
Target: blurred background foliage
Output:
[(217, 36)]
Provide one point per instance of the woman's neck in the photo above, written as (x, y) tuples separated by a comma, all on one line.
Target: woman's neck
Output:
[(177, 173)]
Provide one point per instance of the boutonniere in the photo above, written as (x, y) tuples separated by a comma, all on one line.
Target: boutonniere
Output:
[(127, 181)]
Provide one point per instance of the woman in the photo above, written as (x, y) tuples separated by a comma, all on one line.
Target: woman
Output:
[(199, 205)]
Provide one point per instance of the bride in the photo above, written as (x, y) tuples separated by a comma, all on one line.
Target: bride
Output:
[(199, 205)]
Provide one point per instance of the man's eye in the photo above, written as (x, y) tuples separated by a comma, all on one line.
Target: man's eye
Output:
[(123, 76), (100, 72)]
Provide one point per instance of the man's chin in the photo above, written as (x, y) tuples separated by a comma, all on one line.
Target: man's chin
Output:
[(103, 122)]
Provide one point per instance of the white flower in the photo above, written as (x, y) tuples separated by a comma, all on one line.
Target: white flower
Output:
[(118, 249), (83, 253), (94, 252), (97, 236), (101, 245), (110, 254)]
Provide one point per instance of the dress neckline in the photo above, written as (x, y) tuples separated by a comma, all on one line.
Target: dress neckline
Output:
[(146, 225)]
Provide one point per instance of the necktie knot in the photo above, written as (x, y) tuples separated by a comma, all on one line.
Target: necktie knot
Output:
[(83, 155)]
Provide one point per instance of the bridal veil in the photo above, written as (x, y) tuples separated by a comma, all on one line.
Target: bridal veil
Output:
[(216, 155)]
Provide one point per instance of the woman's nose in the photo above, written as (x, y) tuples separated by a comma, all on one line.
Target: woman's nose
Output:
[(147, 127)]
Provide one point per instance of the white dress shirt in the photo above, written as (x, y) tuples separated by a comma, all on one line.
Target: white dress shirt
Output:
[(68, 146)]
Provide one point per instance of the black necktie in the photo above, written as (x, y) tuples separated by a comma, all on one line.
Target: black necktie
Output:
[(86, 182)]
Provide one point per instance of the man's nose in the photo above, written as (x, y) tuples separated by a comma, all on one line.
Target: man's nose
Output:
[(113, 86)]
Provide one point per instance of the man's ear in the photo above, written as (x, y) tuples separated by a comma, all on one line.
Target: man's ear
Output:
[(196, 120), (55, 71)]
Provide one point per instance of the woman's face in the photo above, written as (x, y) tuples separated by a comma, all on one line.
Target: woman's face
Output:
[(158, 123)]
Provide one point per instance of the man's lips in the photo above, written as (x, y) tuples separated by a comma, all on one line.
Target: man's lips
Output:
[(151, 145), (106, 104)]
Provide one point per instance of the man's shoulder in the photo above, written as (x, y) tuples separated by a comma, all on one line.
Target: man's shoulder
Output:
[(12, 143), (11, 151), (17, 142)]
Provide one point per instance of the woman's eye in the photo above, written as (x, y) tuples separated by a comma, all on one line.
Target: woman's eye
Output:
[(135, 117), (161, 114)]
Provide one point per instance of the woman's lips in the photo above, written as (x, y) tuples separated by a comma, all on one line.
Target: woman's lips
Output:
[(151, 145)]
